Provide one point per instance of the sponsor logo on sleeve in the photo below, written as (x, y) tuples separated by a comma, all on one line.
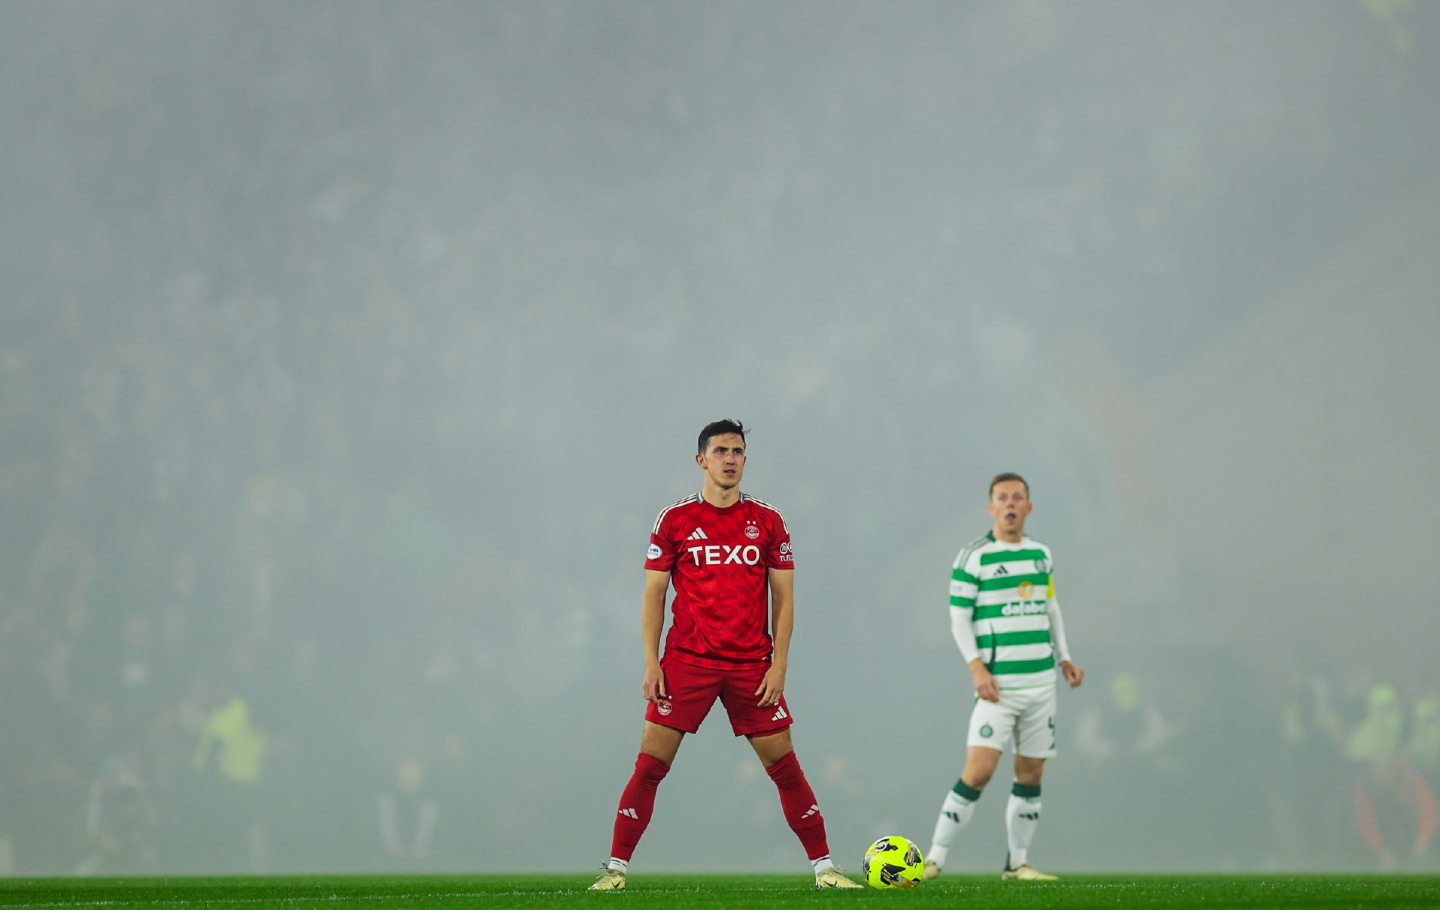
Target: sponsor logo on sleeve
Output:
[(653, 552)]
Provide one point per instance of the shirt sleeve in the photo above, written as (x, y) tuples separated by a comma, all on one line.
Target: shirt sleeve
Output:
[(660, 555), (964, 633), (781, 552), (964, 587), (1057, 625)]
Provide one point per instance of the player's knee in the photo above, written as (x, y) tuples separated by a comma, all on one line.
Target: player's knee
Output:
[(771, 747), (980, 765), (977, 779), (978, 774), (661, 742), (1028, 771)]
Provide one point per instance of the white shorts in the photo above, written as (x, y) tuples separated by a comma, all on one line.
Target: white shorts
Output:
[(1024, 720)]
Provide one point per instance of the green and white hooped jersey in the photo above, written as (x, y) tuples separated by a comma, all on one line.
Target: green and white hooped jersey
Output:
[(1007, 589)]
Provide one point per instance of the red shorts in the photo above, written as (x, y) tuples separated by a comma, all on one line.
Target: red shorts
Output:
[(693, 691)]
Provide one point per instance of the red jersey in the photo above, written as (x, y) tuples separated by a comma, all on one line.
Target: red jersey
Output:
[(719, 562)]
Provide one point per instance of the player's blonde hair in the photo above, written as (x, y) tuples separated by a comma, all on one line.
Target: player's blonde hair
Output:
[(1007, 476)]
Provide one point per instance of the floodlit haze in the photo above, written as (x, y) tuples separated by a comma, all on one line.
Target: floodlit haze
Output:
[(349, 349)]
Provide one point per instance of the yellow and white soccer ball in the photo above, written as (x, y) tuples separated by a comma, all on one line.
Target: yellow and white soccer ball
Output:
[(893, 862)]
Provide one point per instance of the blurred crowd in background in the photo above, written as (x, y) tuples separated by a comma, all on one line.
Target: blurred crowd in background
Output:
[(324, 323)]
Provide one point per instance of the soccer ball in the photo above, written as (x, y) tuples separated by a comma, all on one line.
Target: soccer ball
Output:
[(893, 862)]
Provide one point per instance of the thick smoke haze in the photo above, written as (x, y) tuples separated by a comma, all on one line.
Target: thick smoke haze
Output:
[(349, 350)]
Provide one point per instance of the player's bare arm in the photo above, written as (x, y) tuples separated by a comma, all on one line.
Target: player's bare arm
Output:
[(782, 624), (652, 620)]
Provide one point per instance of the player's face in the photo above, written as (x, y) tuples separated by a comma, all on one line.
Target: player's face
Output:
[(724, 460), (1010, 505)]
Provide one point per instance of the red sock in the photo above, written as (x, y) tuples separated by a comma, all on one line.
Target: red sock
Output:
[(798, 802), (636, 805)]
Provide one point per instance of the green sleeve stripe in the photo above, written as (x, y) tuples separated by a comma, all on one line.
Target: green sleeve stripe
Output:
[(1039, 580), (1010, 556), (1029, 637), (1022, 666), (967, 602), (961, 575)]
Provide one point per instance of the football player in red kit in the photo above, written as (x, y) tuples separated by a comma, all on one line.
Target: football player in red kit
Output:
[(732, 565)]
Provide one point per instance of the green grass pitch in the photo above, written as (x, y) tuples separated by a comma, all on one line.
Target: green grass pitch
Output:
[(680, 892)]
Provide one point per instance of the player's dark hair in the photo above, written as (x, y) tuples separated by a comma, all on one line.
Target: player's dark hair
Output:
[(1006, 476), (720, 428)]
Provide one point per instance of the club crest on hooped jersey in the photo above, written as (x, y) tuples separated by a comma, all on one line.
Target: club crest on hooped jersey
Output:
[(751, 531)]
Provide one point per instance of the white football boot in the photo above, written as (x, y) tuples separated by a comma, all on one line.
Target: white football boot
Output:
[(834, 877), (1027, 873), (609, 880)]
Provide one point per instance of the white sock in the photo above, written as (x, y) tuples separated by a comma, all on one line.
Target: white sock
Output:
[(618, 865), (822, 864), (955, 814), (1022, 817)]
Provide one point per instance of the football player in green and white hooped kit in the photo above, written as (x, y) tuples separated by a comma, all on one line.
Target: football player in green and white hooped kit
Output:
[(1006, 621)]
